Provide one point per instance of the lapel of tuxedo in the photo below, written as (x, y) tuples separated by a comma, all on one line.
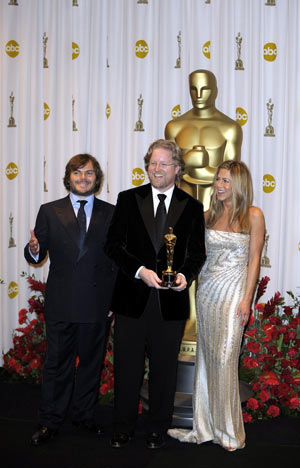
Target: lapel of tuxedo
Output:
[(177, 205), (93, 231), (66, 215), (145, 204)]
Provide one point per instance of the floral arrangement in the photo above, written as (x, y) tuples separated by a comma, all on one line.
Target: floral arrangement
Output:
[(25, 359), (270, 357)]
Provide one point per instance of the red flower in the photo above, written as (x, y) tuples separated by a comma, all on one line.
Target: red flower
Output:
[(22, 316), (247, 417), (250, 363), (250, 333), (283, 389), (262, 286), (294, 402), (288, 310), (269, 377), (292, 335), (12, 363), (256, 386), (273, 411), (253, 347), (263, 396), (104, 389), (293, 352), (252, 404), (268, 331)]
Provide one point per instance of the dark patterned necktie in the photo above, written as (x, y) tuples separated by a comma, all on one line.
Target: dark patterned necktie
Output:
[(160, 219), (81, 218)]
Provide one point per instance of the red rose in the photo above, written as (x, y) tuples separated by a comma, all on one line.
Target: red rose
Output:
[(249, 362), (252, 404), (292, 335), (268, 331), (12, 363), (250, 333), (294, 402), (269, 378), (272, 349), (283, 329), (247, 417), (294, 323), (253, 347), (275, 320), (292, 352), (264, 396), (283, 389), (273, 411), (256, 386)]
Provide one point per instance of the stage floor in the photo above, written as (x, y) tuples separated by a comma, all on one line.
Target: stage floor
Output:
[(271, 444)]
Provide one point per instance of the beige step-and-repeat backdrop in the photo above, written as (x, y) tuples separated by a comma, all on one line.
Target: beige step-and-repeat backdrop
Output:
[(105, 76)]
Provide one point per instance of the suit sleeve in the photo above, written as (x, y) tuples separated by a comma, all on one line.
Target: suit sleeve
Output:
[(195, 250), (116, 243), (41, 233)]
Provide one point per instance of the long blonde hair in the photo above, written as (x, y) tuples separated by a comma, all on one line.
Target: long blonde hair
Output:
[(242, 196)]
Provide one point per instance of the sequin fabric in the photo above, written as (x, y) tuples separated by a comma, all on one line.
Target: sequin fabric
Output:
[(216, 401)]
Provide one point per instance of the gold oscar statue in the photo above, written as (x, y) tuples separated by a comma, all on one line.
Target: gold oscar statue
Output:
[(206, 137), (168, 275)]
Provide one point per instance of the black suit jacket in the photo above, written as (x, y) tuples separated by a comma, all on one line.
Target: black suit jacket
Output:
[(131, 244), (80, 282)]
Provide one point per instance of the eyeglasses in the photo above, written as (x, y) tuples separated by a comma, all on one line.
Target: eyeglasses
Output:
[(159, 164), (89, 173)]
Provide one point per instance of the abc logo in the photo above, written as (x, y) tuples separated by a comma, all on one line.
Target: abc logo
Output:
[(11, 171), (107, 110), (270, 51), (138, 176), (46, 111), (269, 183), (12, 48), (141, 49), (12, 290), (241, 116), (176, 111), (75, 50), (206, 49)]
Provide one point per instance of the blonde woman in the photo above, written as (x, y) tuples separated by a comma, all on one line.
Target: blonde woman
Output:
[(234, 240)]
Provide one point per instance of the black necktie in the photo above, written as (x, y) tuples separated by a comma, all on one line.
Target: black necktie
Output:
[(81, 218), (160, 219)]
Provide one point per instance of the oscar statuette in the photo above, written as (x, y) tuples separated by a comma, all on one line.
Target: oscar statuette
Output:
[(168, 275)]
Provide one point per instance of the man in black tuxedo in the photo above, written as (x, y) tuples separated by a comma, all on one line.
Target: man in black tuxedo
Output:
[(77, 299), (149, 317)]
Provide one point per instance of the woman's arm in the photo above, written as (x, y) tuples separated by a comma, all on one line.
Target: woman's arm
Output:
[(257, 233)]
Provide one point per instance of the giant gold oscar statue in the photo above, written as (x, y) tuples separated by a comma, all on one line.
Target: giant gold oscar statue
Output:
[(207, 137)]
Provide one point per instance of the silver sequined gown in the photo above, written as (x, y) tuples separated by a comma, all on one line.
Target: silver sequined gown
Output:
[(216, 401)]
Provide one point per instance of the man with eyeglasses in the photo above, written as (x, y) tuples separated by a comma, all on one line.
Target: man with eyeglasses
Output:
[(72, 231), (150, 318)]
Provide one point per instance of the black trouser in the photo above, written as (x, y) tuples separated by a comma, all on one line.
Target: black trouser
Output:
[(65, 341), (161, 339)]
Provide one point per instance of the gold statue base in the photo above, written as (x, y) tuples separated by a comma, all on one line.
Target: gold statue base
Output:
[(187, 351), (168, 279)]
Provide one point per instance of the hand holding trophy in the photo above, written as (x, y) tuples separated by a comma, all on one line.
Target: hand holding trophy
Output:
[(168, 275)]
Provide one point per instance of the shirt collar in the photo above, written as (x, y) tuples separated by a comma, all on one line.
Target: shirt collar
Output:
[(168, 192), (74, 198)]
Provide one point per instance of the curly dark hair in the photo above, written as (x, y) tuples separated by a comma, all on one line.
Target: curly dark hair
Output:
[(78, 161)]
